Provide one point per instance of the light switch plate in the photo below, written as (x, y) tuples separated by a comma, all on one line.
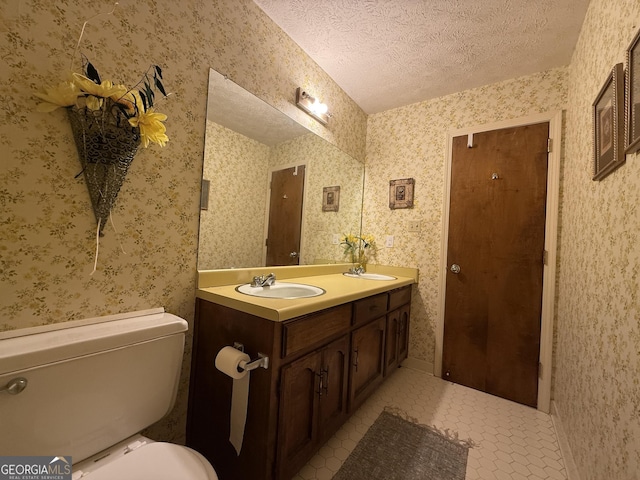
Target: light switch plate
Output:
[(389, 241), (335, 239)]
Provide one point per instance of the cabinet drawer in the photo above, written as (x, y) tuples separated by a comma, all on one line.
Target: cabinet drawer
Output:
[(301, 333), (369, 308), (399, 297)]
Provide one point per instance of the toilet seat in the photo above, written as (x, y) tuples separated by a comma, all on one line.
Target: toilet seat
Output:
[(156, 461)]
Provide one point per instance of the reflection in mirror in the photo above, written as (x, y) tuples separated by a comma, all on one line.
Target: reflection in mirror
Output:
[(248, 144)]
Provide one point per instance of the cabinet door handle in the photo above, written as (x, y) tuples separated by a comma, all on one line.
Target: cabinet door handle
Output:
[(325, 382), (320, 387), (355, 359)]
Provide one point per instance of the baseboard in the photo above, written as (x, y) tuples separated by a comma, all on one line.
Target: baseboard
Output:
[(418, 364), (569, 463)]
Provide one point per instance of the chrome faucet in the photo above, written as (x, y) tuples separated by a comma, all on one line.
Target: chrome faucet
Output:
[(263, 280), (359, 270)]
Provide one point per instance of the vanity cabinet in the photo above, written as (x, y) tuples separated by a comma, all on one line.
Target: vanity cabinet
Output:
[(322, 367)]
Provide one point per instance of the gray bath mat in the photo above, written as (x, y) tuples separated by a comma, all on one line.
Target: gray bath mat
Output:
[(397, 449)]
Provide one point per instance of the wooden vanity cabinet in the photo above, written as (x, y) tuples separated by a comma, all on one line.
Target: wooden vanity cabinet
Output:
[(322, 367), (313, 404)]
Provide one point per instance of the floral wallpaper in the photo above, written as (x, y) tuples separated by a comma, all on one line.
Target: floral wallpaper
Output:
[(232, 228), (47, 244), (410, 142), (597, 380)]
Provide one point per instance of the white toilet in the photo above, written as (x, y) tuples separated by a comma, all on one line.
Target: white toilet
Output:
[(86, 389)]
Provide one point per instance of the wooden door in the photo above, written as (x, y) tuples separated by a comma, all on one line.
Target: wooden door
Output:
[(298, 425), (493, 301), (335, 376), (367, 361), (285, 216)]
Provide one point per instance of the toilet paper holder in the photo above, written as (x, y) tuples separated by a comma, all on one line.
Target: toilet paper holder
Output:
[(261, 361)]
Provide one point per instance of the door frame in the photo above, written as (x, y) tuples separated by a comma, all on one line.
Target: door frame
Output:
[(267, 207), (550, 244)]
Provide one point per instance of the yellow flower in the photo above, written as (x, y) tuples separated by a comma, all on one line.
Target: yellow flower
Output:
[(104, 90), (151, 127), (369, 240), (62, 95), (93, 103)]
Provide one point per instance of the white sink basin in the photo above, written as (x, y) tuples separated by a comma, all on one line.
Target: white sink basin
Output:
[(370, 276), (281, 290)]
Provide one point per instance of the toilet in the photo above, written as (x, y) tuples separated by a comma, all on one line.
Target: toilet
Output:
[(86, 388)]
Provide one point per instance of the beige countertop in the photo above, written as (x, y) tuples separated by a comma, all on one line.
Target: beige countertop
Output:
[(338, 288)]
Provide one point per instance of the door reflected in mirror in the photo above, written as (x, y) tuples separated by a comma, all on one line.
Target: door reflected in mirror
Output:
[(247, 142)]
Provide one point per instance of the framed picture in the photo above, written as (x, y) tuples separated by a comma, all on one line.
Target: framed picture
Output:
[(330, 199), (608, 120), (632, 97), (401, 193)]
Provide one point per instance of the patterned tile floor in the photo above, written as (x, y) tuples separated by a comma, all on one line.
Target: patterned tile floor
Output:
[(512, 442)]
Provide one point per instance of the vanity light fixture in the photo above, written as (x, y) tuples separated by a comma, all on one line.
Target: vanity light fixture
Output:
[(312, 106)]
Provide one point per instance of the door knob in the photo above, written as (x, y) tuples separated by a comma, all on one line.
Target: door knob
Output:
[(293, 254), (455, 268)]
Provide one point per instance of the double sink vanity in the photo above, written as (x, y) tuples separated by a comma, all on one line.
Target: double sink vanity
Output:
[(331, 340)]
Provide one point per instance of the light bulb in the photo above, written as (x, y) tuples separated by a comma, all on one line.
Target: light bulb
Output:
[(318, 107)]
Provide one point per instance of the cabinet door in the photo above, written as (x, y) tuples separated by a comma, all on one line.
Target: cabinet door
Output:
[(333, 395), (403, 333), (393, 333), (297, 432), (367, 361)]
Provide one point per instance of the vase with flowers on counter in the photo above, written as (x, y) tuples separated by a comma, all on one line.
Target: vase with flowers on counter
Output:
[(359, 249)]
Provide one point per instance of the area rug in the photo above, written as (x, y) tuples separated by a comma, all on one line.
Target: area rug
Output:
[(397, 449)]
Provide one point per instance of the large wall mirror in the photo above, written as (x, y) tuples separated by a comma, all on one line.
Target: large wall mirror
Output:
[(272, 187)]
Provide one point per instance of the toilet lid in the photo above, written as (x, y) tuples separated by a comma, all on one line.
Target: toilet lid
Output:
[(157, 461)]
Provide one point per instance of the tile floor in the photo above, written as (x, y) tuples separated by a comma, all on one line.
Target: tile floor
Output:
[(512, 442)]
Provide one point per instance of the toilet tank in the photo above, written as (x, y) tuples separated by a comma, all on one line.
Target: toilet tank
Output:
[(90, 383)]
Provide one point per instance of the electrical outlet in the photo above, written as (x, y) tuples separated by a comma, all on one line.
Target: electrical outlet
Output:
[(414, 226), (389, 241), (335, 239)]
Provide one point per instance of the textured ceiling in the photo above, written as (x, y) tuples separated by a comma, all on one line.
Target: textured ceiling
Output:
[(389, 53)]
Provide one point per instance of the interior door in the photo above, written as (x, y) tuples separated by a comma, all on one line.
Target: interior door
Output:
[(495, 256), (285, 216)]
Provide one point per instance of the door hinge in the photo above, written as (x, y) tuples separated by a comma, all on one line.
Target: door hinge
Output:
[(549, 145)]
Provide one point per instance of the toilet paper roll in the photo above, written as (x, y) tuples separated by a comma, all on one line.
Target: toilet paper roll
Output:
[(231, 362)]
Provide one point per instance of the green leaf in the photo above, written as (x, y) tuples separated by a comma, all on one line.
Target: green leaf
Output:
[(149, 93), (159, 86), (92, 73), (158, 70), (144, 99)]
